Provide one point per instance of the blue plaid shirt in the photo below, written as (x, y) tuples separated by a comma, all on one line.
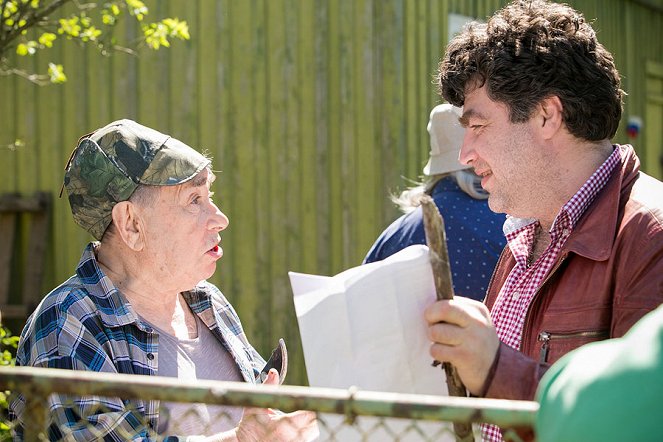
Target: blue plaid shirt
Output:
[(87, 324)]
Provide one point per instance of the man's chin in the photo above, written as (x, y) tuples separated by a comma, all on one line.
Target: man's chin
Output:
[(496, 204), (210, 273), (207, 272)]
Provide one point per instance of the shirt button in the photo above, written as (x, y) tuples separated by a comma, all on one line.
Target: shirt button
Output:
[(150, 356), (515, 295), (565, 232)]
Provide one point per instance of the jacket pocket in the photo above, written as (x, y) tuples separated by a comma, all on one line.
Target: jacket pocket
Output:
[(563, 342)]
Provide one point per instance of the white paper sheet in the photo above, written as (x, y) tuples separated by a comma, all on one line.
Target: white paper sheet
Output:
[(365, 327)]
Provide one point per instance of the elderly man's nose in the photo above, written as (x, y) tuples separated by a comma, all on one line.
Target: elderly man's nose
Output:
[(218, 220)]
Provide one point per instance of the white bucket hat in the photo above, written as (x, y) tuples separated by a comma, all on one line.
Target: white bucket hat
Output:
[(446, 138)]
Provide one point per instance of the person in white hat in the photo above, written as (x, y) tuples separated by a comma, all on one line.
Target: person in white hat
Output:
[(474, 232)]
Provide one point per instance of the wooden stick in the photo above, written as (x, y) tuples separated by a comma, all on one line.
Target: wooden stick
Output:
[(439, 259)]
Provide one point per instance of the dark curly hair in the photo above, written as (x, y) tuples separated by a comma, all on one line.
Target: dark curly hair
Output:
[(532, 50)]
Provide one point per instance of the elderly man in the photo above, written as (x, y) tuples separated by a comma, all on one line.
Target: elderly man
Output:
[(541, 100), (139, 302)]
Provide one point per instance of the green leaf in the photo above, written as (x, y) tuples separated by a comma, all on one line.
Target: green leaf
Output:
[(90, 34), (22, 49), (56, 73), (10, 9), (27, 48), (108, 19), (177, 28), (69, 26), (10, 341), (46, 39), (137, 8)]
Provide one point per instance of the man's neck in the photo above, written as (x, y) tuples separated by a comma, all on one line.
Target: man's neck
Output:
[(158, 304), (577, 163), (541, 242)]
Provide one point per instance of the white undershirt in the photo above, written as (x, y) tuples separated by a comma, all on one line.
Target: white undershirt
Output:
[(203, 357)]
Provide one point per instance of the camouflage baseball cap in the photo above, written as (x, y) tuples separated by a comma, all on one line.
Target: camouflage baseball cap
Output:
[(108, 165)]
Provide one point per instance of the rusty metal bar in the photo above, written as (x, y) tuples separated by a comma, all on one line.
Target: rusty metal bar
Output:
[(43, 381)]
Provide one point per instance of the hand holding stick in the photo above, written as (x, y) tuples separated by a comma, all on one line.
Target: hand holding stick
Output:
[(439, 258)]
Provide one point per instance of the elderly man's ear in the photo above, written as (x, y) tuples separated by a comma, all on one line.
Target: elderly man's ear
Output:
[(129, 225)]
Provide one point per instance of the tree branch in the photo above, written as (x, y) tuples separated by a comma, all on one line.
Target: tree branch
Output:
[(439, 258), (31, 18), (40, 80)]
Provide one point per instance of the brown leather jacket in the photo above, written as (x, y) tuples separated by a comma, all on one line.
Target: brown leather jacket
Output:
[(607, 276)]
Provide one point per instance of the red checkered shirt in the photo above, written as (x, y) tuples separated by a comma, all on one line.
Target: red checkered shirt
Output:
[(511, 306)]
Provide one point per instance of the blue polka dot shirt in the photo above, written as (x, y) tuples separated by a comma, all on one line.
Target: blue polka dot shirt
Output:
[(474, 237)]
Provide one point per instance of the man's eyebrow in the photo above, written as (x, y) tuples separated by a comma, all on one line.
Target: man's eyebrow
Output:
[(464, 120), (202, 180)]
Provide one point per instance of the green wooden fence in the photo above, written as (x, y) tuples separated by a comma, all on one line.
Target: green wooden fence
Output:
[(314, 111)]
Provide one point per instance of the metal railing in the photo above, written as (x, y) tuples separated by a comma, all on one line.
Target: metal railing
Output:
[(36, 384)]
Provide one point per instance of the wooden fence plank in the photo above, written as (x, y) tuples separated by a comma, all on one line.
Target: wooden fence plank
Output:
[(364, 164), (391, 100), (322, 107), (265, 285), (243, 156), (277, 170), (223, 152), (343, 176), (305, 119)]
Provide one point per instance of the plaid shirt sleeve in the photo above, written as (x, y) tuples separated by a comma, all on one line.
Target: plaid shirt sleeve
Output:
[(64, 333)]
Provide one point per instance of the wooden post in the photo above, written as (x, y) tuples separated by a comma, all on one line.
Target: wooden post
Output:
[(36, 209), (439, 259)]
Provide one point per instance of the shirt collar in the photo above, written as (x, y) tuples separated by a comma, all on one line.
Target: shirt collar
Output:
[(111, 305), (513, 225)]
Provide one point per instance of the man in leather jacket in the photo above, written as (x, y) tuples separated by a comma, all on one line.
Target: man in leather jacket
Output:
[(541, 101)]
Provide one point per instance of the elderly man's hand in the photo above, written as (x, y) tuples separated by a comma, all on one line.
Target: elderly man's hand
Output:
[(463, 334), (260, 425)]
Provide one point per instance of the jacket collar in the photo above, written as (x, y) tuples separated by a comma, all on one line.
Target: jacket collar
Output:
[(594, 235)]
